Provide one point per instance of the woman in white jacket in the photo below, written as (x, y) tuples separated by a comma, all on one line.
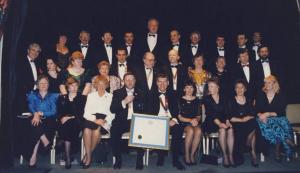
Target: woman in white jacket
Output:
[(98, 118)]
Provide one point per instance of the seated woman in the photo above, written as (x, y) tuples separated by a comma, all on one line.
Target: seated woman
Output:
[(270, 107), (199, 75), (70, 116), (98, 118), (241, 114), (42, 105), (190, 116), (216, 121), (114, 81), (76, 70)]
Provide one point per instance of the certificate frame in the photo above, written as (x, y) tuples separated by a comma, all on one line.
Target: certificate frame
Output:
[(165, 133)]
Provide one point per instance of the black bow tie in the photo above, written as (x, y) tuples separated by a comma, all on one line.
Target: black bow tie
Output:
[(193, 46), (122, 65), (82, 46), (31, 60), (175, 44), (161, 93), (151, 35), (265, 60), (174, 66), (128, 45), (108, 45), (245, 65), (148, 68), (221, 49)]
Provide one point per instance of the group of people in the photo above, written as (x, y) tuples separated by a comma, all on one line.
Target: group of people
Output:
[(96, 92)]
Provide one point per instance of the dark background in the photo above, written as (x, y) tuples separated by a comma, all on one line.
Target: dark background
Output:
[(278, 20)]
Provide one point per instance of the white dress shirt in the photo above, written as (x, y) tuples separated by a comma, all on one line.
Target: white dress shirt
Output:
[(176, 46), (194, 48), (162, 112), (174, 76), (130, 105), (266, 68), (96, 104), (34, 70), (84, 49), (246, 70), (128, 47), (151, 40), (109, 52), (221, 52), (149, 77), (122, 69), (255, 48)]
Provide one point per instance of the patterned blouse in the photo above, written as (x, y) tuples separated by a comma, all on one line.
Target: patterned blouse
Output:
[(200, 80), (114, 84)]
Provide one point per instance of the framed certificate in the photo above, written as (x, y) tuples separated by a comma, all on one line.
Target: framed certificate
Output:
[(149, 131)]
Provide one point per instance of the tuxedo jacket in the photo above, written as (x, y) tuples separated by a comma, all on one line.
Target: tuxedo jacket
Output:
[(114, 68), (172, 103), (182, 76), (117, 108), (181, 51), (275, 70), (157, 51), (25, 83), (238, 73), (187, 60), (213, 55), (142, 84), (89, 61), (135, 56), (102, 54)]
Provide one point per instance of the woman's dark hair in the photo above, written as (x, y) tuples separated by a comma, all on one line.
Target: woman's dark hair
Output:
[(241, 81), (192, 84)]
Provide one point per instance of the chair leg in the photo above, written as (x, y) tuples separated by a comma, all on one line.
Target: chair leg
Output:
[(52, 152), (21, 160), (262, 157), (207, 145), (296, 142), (204, 144), (82, 149)]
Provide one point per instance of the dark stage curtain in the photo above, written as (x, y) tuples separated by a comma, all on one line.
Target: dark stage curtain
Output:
[(12, 31)]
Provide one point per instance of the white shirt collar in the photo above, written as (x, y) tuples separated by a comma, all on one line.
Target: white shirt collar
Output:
[(29, 59), (194, 45), (243, 47), (125, 63), (129, 90), (81, 44)]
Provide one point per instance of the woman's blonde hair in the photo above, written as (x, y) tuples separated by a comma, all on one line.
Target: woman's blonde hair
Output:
[(100, 78), (103, 63), (272, 78)]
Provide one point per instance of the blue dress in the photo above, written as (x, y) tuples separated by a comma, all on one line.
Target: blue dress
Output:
[(277, 129)]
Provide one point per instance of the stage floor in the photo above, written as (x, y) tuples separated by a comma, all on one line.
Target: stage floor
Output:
[(270, 165)]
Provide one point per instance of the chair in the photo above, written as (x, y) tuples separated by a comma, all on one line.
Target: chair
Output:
[(293, 113)]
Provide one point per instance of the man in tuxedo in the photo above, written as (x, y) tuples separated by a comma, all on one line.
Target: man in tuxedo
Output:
[(153, 42), (217, 51), (257, 42), (242, 41), (27, 74), (125, 102), (245, 70), (164, 103), (145, 77), (194, 48), (121, 66), (86, 49), (132, 48), (177, 73), (266, 66), (106, 50), (176, 44)]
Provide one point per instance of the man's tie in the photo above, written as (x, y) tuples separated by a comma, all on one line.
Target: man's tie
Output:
[(245, 65), (174, 66), (84, 46), (108, 45), (265, 60), (221, 49), (194, 46), (151, 35), (122, 65), (175, 44)]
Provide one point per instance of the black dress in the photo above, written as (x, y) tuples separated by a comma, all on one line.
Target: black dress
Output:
[(69, 131), (224, 81), (53, 84), (63, 60), (213, 111), (189, 109), (241, 129)]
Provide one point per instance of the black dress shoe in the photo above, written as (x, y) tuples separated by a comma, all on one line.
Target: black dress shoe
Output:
[(118, 163), (226, 166), (187, 163), (178, 165), (68, 166), (254, 163), (160, 161), (32, 166)]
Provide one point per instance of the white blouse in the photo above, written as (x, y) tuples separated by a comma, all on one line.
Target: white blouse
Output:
[(96, 104)]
